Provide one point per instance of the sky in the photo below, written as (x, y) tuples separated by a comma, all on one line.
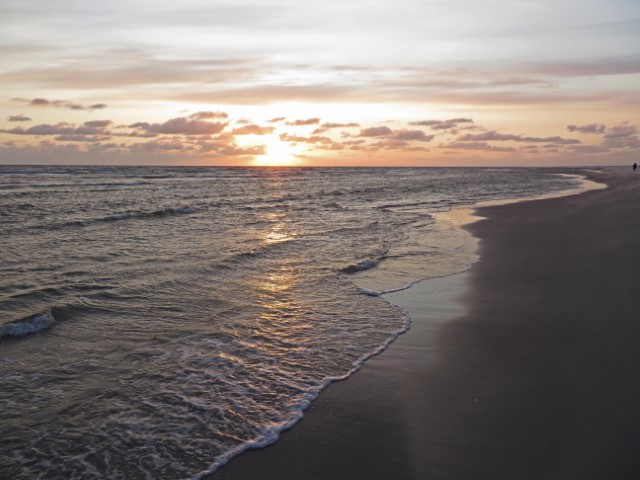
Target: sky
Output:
[(318, 83)]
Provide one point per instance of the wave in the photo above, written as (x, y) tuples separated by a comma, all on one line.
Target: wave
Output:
[(370, 262), (28, 325), (361, 266), (272, 431), (164, 212)]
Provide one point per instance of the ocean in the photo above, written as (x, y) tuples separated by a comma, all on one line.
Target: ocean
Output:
[(156, 322)]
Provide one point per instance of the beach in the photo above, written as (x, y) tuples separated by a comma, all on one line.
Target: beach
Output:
[(524, 367)]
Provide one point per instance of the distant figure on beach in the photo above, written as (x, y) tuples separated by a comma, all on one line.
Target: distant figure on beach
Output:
[(635, 165)]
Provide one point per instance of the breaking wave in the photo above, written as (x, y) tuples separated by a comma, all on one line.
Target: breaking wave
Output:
[(28, 325)]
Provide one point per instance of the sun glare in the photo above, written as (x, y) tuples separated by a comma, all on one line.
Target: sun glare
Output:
[(278, 153)]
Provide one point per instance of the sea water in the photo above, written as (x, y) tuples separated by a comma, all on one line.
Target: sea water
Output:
[(155, 322)]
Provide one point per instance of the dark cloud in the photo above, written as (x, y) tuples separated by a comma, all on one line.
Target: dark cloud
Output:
[(63, 128), (181, 126), (160, 146), (442, 124), (301, 123), (252, 130), (624, 135), (591, 128), (18, 118), (80, 138), (415, 135), (500, 137), (40, 102), (375, 132), (98, 123), (43, 102), (139, 134)]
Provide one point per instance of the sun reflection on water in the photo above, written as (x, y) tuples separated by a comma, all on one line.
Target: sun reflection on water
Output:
[(279, 229)]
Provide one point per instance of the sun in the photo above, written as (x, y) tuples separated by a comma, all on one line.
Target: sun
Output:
[(278, 153)]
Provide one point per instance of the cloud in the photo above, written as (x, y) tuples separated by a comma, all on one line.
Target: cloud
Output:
[(330, 125), (98, 123), (589, 149), (139, 134), (285, 137), (595, 66), (442, 124), (235, 150), (156, 146), (375, 132), (181, 126), (252, 130), (208, 115), (339, 125), (477, 146), (624, 135), (300, 123), (80, 138), (64, 128), (277, 120), (591, 128), (43, 102), (416, 135), (495, 136), (18, 118)]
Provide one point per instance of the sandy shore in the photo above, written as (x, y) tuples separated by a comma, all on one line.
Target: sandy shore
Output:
[(525, 367)]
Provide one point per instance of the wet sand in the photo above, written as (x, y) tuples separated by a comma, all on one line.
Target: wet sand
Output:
[(525, 367)]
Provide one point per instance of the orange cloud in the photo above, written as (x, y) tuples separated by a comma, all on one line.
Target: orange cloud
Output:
[(252, 130), (300, 123), (208, 115), (235, 150)]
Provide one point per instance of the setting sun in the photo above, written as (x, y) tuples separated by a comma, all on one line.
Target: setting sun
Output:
[(278, 153)]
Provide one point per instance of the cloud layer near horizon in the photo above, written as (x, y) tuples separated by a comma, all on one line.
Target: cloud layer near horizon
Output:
[(202, 135)]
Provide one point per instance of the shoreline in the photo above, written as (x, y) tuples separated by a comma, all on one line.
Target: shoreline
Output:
[(300, 452)]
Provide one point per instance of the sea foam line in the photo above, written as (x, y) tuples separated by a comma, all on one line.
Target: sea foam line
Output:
[(272, 433)]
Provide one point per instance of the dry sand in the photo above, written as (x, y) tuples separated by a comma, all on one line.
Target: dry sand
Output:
[(526, 367)]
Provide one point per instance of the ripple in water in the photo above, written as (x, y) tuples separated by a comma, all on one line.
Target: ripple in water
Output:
[(158, 321)]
